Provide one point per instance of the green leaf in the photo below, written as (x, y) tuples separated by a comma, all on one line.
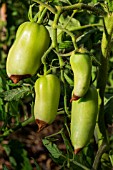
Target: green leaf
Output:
[(94, 1), (52, 148), (110, 5), (69, 23), (16, 94), (65, 44)]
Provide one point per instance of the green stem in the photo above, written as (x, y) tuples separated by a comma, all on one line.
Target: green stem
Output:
[(61, 62), (30, 13), (50, 8), (102, 137), (55, 134), (85, 27), (72, 15), (71, 35), (81, 6), (65, 94), (64, 54), (103, 74), (26, 122), (9, 131), (55, 22), (67, 128), (78, 6), (65, 101), (44, 59), (79, 165), (40, 20), (101, 150)]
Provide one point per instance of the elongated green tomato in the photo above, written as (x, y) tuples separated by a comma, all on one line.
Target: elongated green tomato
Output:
[(81, 65), (83, 119), (24, 57), (47, 90)]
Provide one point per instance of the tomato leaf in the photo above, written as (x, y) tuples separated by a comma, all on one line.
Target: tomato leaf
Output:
[(69, 23), (52, 148), (16, 94)]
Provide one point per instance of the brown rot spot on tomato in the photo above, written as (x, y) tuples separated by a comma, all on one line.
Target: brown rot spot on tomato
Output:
[(41, 124), (74, 98), (17, 78), (76, 151)]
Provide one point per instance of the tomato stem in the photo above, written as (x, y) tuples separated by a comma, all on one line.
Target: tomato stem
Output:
[(30, 14), (101, 150), (50, 8), (55, 23), (40, 19), (102, 80), (43, 59), (52, 135), (71, 35), (22, 124), (64, 54), (79, 164), (103, 70), (85, 27), (65, 93), (81, 6)]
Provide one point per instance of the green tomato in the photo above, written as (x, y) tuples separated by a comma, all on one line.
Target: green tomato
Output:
[(24, 57), (81, 65), (83, 119), (47, 90)]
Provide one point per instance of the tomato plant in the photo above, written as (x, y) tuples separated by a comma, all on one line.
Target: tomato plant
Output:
[(59, 55)]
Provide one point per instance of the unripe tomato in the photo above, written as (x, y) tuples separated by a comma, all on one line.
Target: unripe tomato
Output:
[(47, 90), (81, 65), (83, 119), (24, 57)]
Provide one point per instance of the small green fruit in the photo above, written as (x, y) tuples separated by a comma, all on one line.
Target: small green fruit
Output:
[(83, 119), (47, 90), (24, 57), (81, 65)]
